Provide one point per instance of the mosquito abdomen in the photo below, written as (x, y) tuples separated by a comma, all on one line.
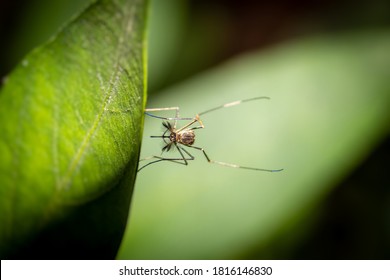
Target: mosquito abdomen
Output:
[(186, 137)]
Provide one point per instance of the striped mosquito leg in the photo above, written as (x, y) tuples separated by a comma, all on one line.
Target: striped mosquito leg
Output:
[(234, 103), (177, 109), (232, 164)]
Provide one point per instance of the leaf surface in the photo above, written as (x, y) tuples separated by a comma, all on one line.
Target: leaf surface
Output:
[(71, 125)]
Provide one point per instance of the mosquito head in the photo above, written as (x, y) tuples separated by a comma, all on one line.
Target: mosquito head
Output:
[(173, 137)]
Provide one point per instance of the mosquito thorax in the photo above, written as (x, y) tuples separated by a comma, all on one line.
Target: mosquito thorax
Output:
[(186, 137), (172, 137)]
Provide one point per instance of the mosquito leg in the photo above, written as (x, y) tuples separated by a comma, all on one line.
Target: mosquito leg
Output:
[(183, 160), (194, 120), (232, 164), (175, 160), (139, 169), (176, 118), (164, 109), (197, 127), (234, 103)]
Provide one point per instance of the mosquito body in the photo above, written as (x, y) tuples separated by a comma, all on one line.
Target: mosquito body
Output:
[(184, 136)]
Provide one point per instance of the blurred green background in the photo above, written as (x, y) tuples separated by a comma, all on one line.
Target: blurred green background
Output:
[(325, 65)]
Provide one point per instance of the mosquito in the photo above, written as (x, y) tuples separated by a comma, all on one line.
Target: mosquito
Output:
[(184, 137)]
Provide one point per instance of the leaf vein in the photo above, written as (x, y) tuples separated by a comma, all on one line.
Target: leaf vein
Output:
[(76, 160)]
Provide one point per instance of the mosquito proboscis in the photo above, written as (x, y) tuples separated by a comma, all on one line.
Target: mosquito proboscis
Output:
[(184, 136)]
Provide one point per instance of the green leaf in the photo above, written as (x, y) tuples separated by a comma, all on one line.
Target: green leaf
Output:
[(329, 108), (71, 123)]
